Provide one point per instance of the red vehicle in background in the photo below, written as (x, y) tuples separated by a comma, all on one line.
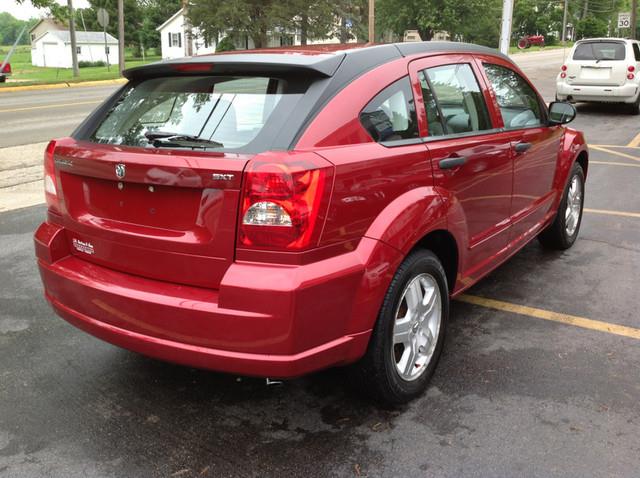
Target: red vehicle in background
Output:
[(5, 71), (276, 212), (530, 40)]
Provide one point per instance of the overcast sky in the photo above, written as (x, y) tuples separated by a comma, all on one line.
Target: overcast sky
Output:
[(26, 10)]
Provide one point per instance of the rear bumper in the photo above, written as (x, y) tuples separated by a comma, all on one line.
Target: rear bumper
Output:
[(609, 94), (265, 320)]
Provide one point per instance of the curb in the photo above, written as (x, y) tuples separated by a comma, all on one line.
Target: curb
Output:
[(55, 86)]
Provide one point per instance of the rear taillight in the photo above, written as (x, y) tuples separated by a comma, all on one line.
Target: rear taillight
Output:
[(563, 68), (631, 68), (283, 203), (7, 68), (50, 189), (630, 76)]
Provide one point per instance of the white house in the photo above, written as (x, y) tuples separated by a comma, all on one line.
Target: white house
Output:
[(43, 26), (173, 33), (53, 48)]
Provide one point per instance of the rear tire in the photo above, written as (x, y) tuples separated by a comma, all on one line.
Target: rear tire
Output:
[(634, 108), (563, 231), (409, 334)]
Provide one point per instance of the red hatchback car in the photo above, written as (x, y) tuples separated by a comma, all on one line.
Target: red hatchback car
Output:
[(272, 213)]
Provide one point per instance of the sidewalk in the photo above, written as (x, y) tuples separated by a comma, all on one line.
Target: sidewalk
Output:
[(51, 86), (21, 173)]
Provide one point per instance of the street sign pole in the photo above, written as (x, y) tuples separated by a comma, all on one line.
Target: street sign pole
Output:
[(634, 18), (121, 36), (103, 20)]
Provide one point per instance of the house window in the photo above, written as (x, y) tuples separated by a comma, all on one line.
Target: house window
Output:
[(106, 50), (286, 40), (79, 50), (175, 39)]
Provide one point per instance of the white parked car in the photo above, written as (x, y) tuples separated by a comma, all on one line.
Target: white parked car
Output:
[(602, 70)]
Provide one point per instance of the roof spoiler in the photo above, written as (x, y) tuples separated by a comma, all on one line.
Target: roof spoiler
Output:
[(322, 65)]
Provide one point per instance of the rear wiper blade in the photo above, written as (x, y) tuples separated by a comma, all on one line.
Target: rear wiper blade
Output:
[(161, 138)]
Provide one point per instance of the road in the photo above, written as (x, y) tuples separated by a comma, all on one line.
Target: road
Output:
[(40, 115), (519, 390)]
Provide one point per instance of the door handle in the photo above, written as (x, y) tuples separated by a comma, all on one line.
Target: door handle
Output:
[(451, 163), (522, 147)]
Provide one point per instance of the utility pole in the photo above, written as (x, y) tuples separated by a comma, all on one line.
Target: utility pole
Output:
[(188, 37), (121, 36), (564, 22), (372, 21), (634, 18), (72, 37), (505, 29)]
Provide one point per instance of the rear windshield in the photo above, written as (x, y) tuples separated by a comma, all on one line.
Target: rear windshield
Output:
[(219, 113), (600, 51)]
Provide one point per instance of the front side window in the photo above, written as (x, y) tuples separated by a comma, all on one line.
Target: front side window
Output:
[(222, 113), (519, 104), (460, 99), (599, 51), (391, 115)]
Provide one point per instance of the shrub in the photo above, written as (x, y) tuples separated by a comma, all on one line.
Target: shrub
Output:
[(88, 64), (226, 44)]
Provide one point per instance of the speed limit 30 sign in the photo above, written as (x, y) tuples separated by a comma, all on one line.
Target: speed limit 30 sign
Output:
[(624, 20)]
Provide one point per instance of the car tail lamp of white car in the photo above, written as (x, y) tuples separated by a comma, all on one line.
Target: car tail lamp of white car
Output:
[(563, 71)]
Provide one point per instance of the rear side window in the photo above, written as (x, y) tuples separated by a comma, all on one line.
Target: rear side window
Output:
[(519, 104), (459, 97), (600, 51), (636, 51), (229, 112), (391, 115)]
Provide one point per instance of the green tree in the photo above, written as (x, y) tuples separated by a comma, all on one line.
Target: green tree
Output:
[(470, 20), (314, 19), (154, 14), (10, 28), (236, 19), (591, 26), (532, 17), (397, 16)]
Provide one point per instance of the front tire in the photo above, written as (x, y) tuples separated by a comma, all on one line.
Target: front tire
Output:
[(563, 231), (409, 334)]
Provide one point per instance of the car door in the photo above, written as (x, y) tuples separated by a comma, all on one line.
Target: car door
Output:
[(471, 160), (535, 147)]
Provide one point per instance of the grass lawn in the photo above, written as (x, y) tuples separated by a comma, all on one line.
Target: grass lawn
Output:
[(514, 49), (28, 74)]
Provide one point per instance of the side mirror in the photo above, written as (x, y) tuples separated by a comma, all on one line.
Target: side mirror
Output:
[(561, 112)]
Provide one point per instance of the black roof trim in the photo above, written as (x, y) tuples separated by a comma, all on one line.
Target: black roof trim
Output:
[(320, 65), (317, 65), (414, 48)]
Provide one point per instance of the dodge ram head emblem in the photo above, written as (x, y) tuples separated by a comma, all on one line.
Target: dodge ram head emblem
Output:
[(121, 170)]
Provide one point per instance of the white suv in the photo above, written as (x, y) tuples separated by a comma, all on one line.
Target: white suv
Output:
[(602, 70)]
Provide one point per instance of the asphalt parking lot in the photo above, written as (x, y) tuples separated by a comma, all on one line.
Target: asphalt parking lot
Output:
[(540, 376)]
